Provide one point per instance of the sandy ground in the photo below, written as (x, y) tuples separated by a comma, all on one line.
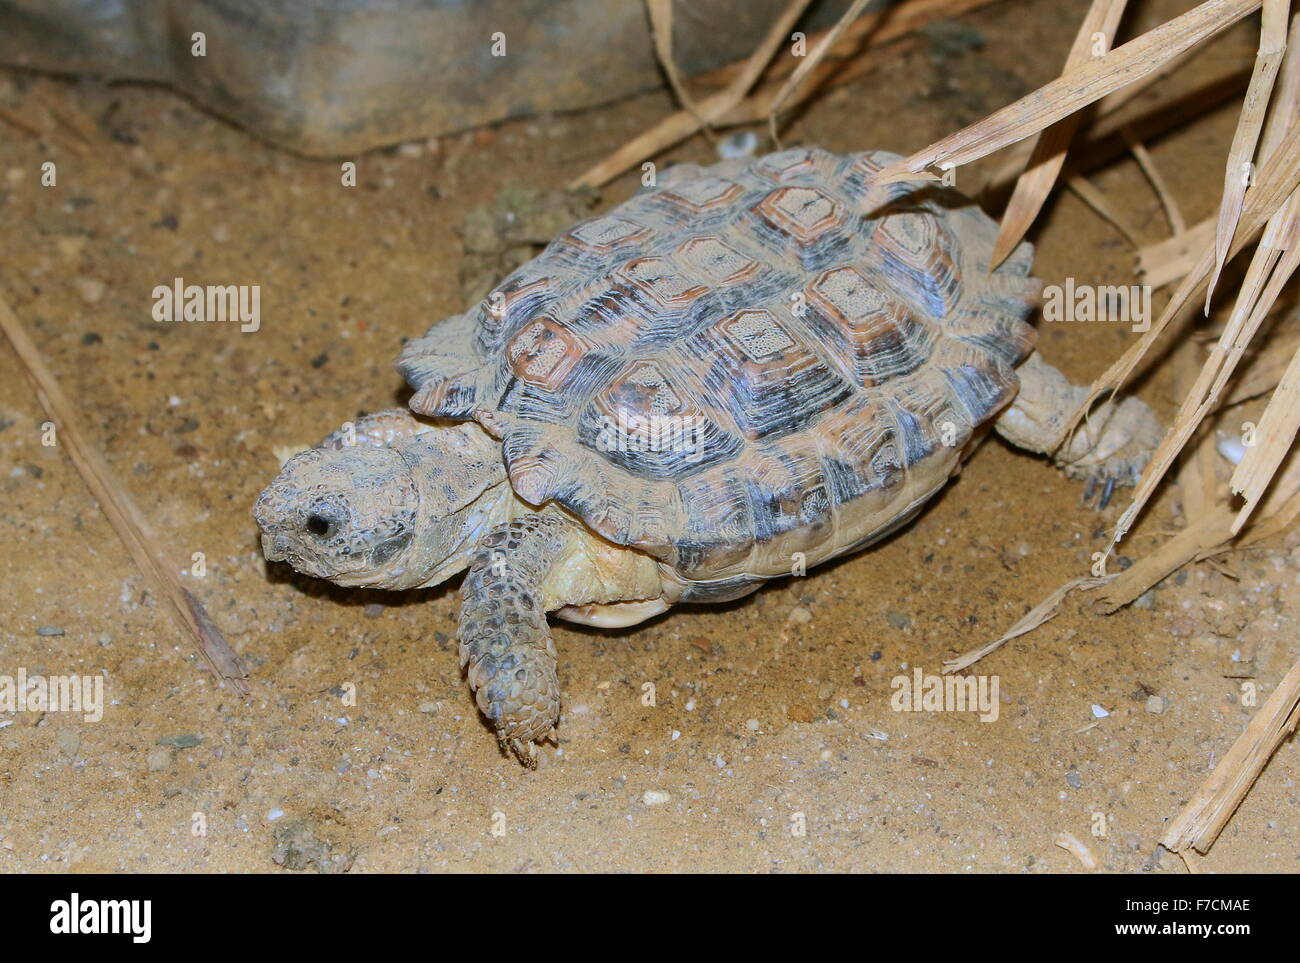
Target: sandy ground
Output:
[(772, 714)]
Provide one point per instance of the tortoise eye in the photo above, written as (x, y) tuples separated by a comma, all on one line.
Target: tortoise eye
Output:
[(320, 526)]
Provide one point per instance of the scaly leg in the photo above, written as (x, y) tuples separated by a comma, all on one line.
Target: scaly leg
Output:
[(504, 637), (1110, 448), (522, 569)]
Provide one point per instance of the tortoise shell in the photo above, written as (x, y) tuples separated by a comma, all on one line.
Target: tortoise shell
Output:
[(748, 361)]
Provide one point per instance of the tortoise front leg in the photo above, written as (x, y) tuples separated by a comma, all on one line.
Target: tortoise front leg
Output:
[(504, 637)]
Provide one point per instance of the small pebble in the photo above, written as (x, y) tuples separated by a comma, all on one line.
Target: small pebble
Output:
[(800, 615), (159, 759), (49, 630), (655, 797), (740, 144), (1231, 449), (90, 289), (1074, 779), (373, 610), (1099, 713), (1156, 704)]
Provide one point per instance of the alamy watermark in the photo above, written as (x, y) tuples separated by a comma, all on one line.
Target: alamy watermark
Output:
[(179, 301), (920, 692), (1087, 303), (55, 693), (631, 433)]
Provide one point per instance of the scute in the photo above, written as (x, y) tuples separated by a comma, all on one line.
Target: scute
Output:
[(753, 362)]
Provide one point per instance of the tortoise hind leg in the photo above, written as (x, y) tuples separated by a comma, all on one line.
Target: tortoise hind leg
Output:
[(1110, 448)]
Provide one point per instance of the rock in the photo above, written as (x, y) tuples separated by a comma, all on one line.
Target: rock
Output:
[(800, 615), (49, 630), (91, 290), (799, 713), (1156, 704), (298, 847), (655, 797), (159, 759), (187, 741)]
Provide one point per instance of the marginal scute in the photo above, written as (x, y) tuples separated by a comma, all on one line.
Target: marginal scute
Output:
[(753, 360)]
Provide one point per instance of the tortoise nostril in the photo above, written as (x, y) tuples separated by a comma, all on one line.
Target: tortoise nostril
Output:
[(320, 526)]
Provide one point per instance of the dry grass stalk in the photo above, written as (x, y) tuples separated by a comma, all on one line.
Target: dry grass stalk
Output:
[(1170, 259), (123, 514), (682, 124), (1109, 119), (1200, 822), (1044, 611), (732, 105), (1204, 536), (17, 120), (661, 27), (1273, 439), (1047, 156), (1140, 153), (1276, 180), (1096, 200), (1072, 91), (1265, 370), (1285, 106), (1165, 262), (1197, 476), (820, 50), (1207, 536), (1272, 46), (1071, 844), (1269, 269)]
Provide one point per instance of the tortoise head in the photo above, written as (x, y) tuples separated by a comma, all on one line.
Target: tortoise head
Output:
[(390, 515)]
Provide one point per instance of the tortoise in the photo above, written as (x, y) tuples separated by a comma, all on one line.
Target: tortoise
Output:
[(738, 373)]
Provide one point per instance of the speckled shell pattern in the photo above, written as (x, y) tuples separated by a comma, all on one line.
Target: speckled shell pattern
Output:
[(754, 365)]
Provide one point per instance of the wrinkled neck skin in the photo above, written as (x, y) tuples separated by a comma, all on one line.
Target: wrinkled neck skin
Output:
[(444, 546)]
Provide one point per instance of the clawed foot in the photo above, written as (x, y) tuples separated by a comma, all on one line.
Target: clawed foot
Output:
[(1112, 449), (525, 750), (520, 696)]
